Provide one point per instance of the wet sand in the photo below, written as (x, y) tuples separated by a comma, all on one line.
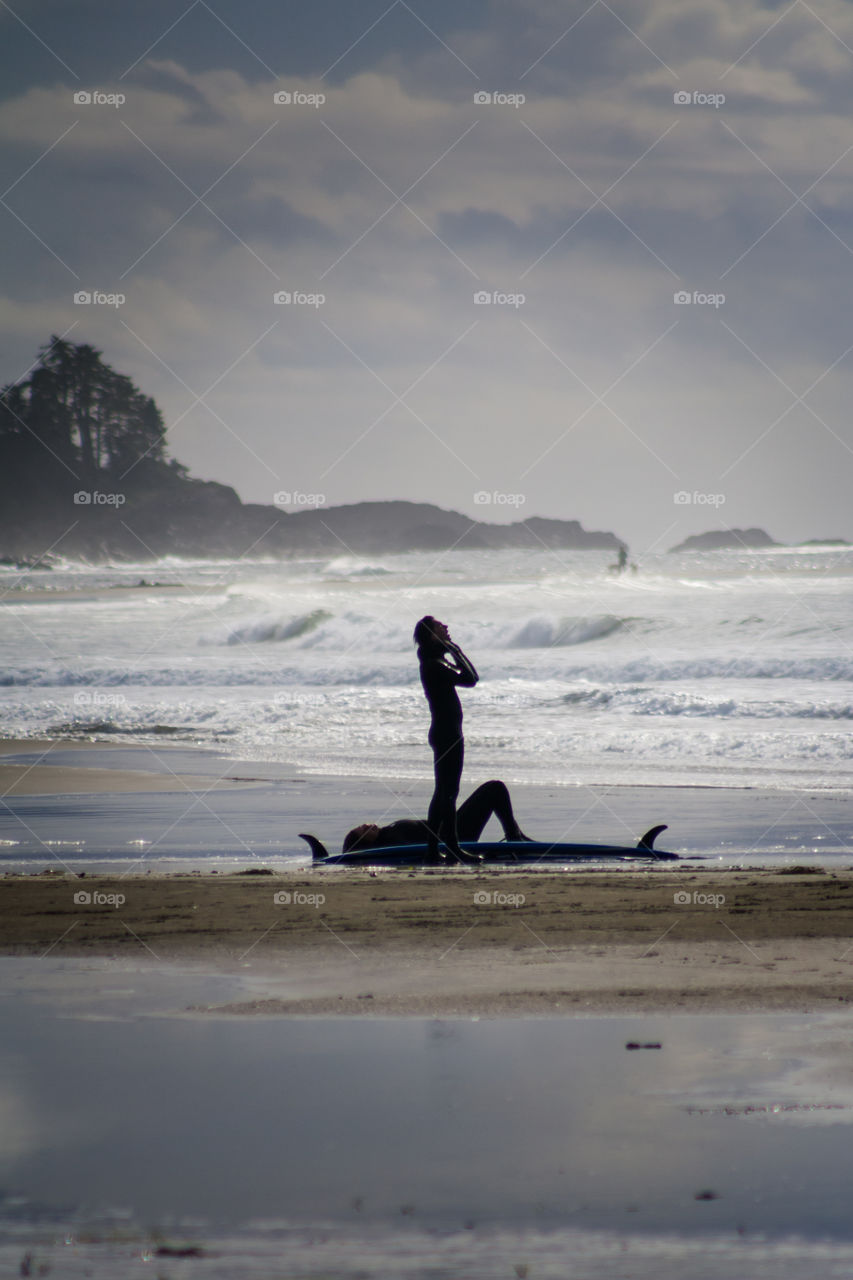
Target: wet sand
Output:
[(676, 937), (731, 826), (409, 1146), (37, 776)]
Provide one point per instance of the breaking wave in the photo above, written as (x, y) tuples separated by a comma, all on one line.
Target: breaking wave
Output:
[(548, 633), (263, 630)]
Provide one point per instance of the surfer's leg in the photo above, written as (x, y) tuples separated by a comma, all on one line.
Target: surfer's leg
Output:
[(504, 812), (434, 825), (490, 798), (448, 774), (441, 818), (473, 814)]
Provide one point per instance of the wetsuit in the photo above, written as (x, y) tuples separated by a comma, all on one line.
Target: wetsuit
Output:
[(490, 799), (440, 680)]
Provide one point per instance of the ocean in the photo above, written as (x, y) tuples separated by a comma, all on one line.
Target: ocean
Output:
[(713, 669)]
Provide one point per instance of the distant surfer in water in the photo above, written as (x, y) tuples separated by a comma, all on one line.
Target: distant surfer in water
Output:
[(622, 563), (440, 679), (492, 799)]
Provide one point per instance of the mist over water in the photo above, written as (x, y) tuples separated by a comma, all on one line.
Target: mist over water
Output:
[(714, 668)]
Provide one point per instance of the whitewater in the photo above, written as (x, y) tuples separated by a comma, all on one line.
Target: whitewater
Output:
[(708, 668)]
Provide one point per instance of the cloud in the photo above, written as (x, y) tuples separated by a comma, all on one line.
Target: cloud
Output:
[(398, 196)]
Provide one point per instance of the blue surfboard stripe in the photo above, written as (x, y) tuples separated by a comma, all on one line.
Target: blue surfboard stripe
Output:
[(512, 852)]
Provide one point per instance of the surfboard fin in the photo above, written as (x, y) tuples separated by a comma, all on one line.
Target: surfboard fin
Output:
[(648, 840), (318, 849)]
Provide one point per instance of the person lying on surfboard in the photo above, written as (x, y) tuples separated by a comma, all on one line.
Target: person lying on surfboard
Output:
[(440, 679), (492, 799), (489, 800)]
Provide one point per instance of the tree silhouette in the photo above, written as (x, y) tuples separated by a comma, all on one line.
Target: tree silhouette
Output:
[(75, 415), (74, 424), (81, 411)]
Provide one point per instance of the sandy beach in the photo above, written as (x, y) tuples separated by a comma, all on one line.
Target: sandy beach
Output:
[(687, 936), (39, 776), (484, 943), (240, 992)]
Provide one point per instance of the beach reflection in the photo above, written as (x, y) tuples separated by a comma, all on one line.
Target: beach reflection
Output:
[(109, 1106)]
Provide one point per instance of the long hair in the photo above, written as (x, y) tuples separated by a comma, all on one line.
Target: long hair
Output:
[(425, 638), (363, 837)]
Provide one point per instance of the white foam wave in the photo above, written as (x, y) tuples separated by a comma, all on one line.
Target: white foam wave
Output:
[(641, 700), (268, 628), (729, 668), (546, 633), (653, 669), (354, 567)]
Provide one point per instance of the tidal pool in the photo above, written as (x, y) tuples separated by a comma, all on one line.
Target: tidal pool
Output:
[(128, 1120)]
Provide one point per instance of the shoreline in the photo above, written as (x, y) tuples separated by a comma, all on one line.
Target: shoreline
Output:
[(272, 770), (473, 943), (97, 767)]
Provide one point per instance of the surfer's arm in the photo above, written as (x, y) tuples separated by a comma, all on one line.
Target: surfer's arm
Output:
[(466, 672)]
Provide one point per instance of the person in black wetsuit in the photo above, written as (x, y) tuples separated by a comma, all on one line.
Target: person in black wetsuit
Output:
[(440, 680), (490, 799)]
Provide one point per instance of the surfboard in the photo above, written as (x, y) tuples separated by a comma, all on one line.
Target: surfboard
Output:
[(504, 852)]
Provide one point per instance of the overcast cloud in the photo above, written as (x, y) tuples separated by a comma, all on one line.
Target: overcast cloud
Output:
[(392, 193)]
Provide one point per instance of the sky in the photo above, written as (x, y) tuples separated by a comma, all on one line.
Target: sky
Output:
[(582, 260)]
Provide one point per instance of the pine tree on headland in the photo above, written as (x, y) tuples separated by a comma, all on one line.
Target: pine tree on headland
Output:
[(75, 425), (89, 419)]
